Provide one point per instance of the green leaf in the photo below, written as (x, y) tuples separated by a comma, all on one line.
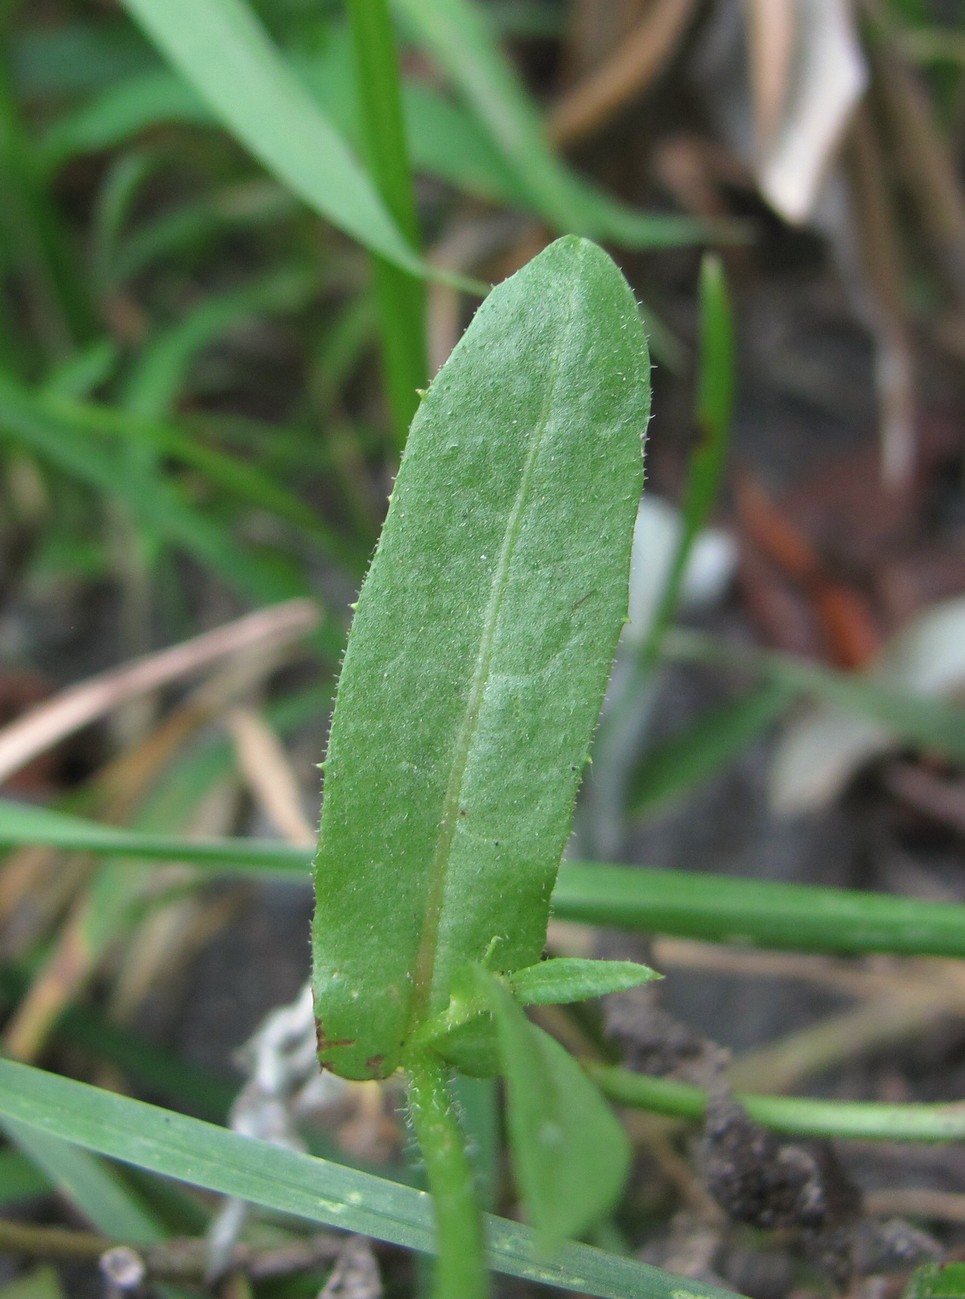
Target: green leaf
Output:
[(570, 1153), (936, 1282), (465, 1033), (479, 654), (293, 1183), (566, 978), (221, 50)]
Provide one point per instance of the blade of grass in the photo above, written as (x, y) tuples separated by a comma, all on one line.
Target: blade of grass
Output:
[(261, 576), (95, 1188), (303, 1186), (160, 373), (459, 36), (668, 770), (126, 176), (714, 908), (19, 1178), (401, 296), (763, 913), (796, 1115), (252, 91), (916, 719)]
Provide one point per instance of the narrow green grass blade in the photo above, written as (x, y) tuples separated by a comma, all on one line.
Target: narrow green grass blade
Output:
[(19, 1178), (25, 418), (401, 296), (161, 371), (762, 913), (918, 719), (715, 908), (93, 1187), (479, 654), (705, 469), (799, 1116), (220, 48), (669, 769), (459, 36), (22, 823), (314, 1189)]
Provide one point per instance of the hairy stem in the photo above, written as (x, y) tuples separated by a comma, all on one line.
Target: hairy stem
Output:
[(461, 1266)]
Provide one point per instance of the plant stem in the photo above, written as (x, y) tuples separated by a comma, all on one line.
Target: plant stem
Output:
[(401, 296), (461, 1268)]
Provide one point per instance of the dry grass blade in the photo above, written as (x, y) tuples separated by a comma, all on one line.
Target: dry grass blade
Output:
[(935, 796), (882, 274), (916, 1202), (104, 911), (269, 776), (38, 884), (782, 1065), (81, 704), (770, 45), (624, 75), (932, 181), (827, 78), (80, 945)]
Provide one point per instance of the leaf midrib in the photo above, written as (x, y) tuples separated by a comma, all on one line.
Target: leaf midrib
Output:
[(439, 870)]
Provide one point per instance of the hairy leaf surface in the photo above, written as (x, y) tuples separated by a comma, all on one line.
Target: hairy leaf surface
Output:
[(479, 655)]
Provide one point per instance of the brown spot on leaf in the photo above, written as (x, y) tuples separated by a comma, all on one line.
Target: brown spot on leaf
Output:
[(326, 1044)]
